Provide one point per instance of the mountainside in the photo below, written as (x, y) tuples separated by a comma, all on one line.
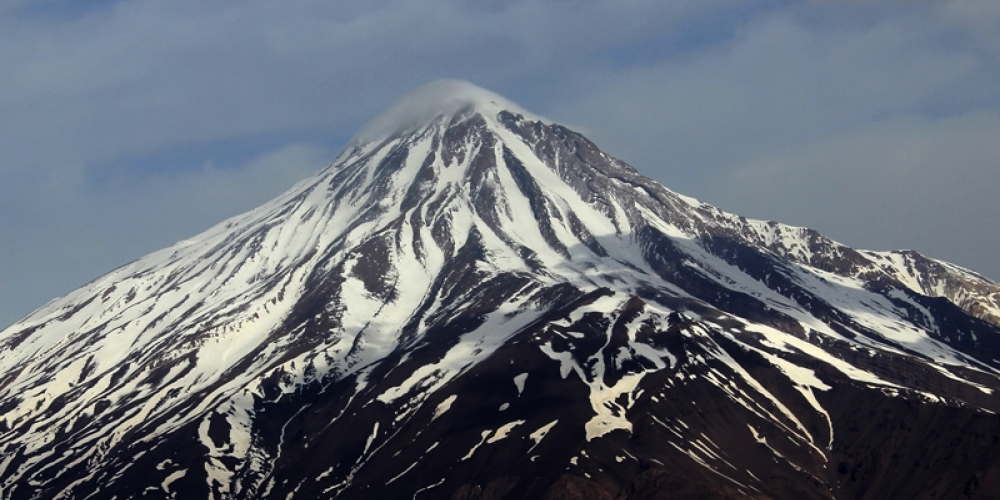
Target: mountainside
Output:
[(473, 302)]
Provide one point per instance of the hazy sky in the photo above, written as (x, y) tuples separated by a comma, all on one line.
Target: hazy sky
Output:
[(128, 125)]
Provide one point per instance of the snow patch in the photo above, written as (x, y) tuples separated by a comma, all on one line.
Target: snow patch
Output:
[(444, 406), (503, 431), (540, 434), (174, 476), (485, 434), (519, 382)]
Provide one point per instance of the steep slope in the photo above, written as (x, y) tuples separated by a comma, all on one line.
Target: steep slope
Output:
[(474, 302)]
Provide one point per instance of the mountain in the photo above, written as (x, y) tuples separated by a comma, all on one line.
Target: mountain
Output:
[(474, 302)]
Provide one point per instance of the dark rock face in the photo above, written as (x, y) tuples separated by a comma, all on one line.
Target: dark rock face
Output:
[(486, 306)]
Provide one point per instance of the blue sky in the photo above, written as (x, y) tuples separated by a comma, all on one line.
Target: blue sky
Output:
[(126, 126)]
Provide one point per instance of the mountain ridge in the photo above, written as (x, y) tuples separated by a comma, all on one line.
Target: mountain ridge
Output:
[(348, 314)]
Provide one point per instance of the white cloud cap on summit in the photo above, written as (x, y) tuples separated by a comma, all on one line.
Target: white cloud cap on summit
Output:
[(438, 98)]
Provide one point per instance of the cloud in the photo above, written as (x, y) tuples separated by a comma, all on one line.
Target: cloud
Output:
[(135, 77), (779, 82)]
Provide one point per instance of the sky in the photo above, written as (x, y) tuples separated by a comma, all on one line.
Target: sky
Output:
[(126, 126)]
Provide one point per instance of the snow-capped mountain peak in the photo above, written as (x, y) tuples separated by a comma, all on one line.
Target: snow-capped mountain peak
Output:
[(477, 301)]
